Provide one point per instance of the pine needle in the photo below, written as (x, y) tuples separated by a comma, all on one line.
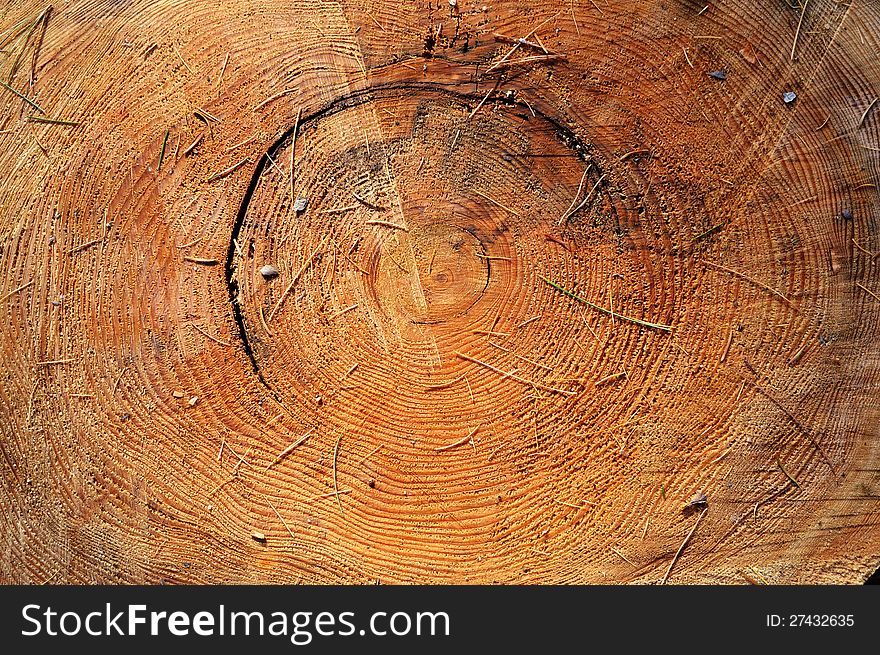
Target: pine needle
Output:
[(656, 326)]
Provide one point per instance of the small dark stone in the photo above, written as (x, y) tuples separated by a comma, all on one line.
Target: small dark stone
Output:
[(719, 75), (372, 483), (847, 214)]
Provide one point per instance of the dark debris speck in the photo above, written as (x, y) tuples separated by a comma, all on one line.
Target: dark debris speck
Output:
[(719, 75)]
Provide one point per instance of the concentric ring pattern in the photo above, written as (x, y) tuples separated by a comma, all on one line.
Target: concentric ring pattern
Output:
[(346, 292)]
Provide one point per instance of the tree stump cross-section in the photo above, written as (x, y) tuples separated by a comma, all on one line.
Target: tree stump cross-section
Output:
[(440, 292)]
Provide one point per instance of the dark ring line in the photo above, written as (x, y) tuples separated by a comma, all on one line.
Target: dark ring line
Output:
[(568, 138)]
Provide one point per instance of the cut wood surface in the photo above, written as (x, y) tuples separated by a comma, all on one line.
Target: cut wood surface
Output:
[(566, 292)]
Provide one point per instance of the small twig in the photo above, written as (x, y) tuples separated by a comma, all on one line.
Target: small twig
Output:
[(231, 169), (872, 255), (633, 153), (293, 152), (797, 356), (656, 326), (162, 151), (502, 38), (470, 391), (83, 246), (242, 143), (263, 321), (455, 140), (339, 210), (275, 97), (210, 336), (367, 203), (55, 361), (51, 121), (205, 115), (222, 71), (683, 544), (191, 243), (23, 97), (722, 455), (727, 346), (584, 201), (345, 311), (119, 379), (368, 455), (804, 201), (492, 257), (272, 420), (688, 59), (341, 492), (797, 424), (460, 442), (750, 579), (27, 38), (868, 291), (503, 59), (798, 31), (753, 281), (204, 261), (192, 146), (16, 290), (865, 114), (610, 378), (534, 59), (529, 320), (296, 277), (284, 453), (485, 98), (787, 474), (182, 60), (495, 202), (577, 194), (622, 556), (388, 224), (275, 510), (513, 376), (525, 359), (704, 234), (241, 460), (335, 483)]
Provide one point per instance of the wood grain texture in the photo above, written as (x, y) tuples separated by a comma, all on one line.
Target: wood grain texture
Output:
[(464, 420)]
